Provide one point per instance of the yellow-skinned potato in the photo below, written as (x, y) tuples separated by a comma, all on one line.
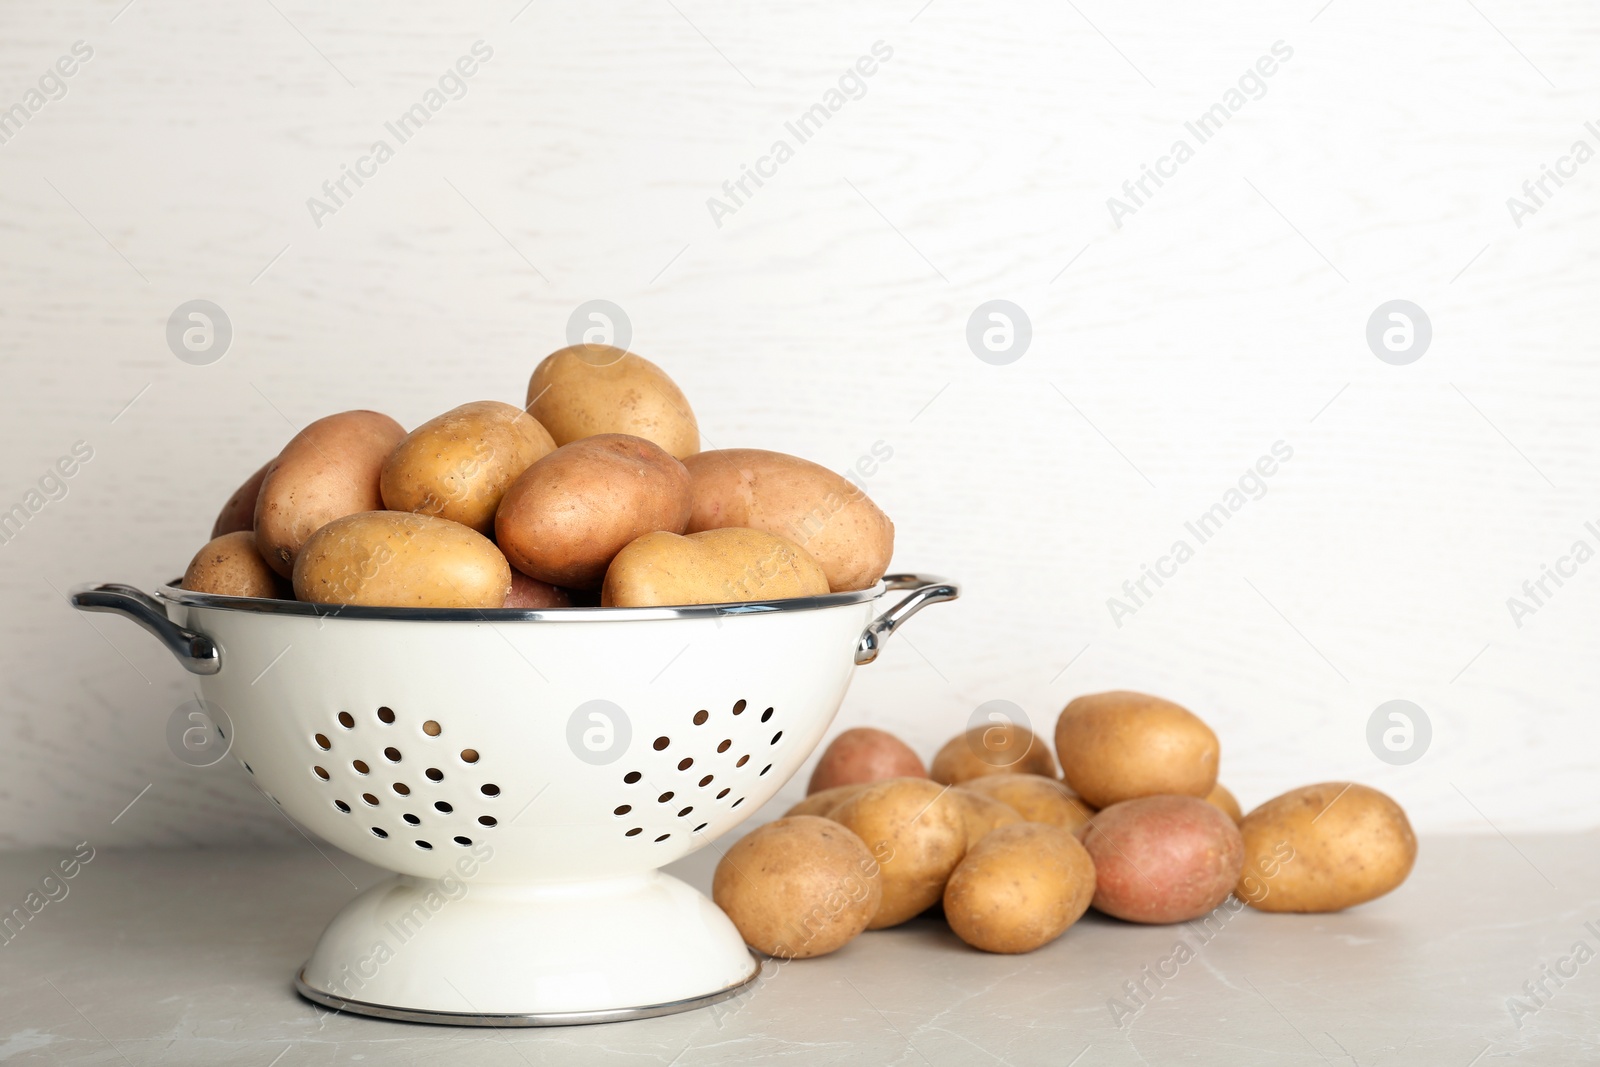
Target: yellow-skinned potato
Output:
[(566, 517), (1324, 848), (1018, 888), (798, 887), (1036, 798), (980, 814), (403, 560), (1121, 745), (917, 834), (822, 512), (714, 567), (1000, 748), (229, 565), (457, 466), (1222, 798), (239, 513), (822, 803), (584, 390), (327, 470)]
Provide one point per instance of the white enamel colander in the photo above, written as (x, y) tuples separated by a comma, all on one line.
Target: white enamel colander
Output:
[(526, 774)]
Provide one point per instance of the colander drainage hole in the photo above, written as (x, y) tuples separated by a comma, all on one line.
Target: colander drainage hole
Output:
[(401, 788), (370, 799), (489, 789), (702, 826), (425, 846), (700, 717), (766, 715), (249, 768), (360, 766), (347, 720), (765, 769), (392, 754), (412, 819), (662, 838), (342, 806), (378, 831), (321, 773), (632, 777), (724, 793), (742, 761), (705, 781), (469, 755), (434, 774), (323, 742), (386, 716), (685, 763), (661, 743), (736, 803), (462, 840), (488, 820), (635, 832), (738, 709), (726, 744), (431, 728), (685, 811), (777, 737), (442, 807), (664, 797), (622, 809)]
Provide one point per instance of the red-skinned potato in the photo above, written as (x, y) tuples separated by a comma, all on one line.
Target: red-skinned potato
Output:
[(530, 594), (1163, 859), (864, 754)]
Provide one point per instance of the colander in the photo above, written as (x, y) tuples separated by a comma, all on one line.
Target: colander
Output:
[(525, 774)]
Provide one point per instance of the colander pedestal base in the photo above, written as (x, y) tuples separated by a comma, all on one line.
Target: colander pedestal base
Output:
[(474, 954)]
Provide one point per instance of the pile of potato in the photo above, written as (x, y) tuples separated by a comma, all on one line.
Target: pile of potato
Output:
[(1136, 826), (594, 492)]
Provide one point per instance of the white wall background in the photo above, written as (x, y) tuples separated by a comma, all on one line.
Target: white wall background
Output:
[(829, 313)]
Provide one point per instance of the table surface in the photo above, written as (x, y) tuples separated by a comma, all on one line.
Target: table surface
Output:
[(186, 956)]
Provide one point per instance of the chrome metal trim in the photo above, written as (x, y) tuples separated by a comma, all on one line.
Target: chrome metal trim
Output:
[(197, 652), (926, 590), (510, 1020)]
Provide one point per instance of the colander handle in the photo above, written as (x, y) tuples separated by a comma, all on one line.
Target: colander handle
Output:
[(926, 590), (197, 652)]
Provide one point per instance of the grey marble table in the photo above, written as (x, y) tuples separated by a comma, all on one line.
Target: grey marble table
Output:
[(185, 957)]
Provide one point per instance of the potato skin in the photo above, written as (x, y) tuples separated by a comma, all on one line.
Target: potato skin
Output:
[(982, 814), (864, 754), (239, 513), (712, 567), (327, 470), (1334, 845), (824, 802), (1120, 745), (1163, 859), (1226, 802), (457, 465), (799, 887), (530, 594), (917, 835), (1018, 888), (822, 512), (229, 565), (1003, 748), (568, 515), (1036, 798), (400, 559), (585, 390)]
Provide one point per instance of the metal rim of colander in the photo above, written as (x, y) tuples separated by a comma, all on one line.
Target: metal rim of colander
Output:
[(176, 594)]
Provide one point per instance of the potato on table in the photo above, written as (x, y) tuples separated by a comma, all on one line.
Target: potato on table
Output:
[(1163, 859), (916, 833), (1121, 745), (1223, 799), (1000, 748), (864, 754), (981, 814), (1325, 847), (798, 887), (1035, 797), (1019, 888)]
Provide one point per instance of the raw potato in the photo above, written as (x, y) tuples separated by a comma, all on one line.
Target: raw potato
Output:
[(566, 517), (1003, 748), (457, 466), (239, 513), (864, 754), (824, 802), (327, 470), (1121, 745), (1325, 848), (229, 565), (1163, 859), (1036, 798), (798, 887), (981, 814), (1019, 888), (822, 512), (530, 594), (714, 567), (918, 836), (1222, 798), (398, 559), (585, 390)]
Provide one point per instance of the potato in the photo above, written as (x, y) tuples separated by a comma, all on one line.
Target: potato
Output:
[(864, 754), (981, 814), (916, 833), (400, 559), (1003, 748), (565, 518), (798, 887), (1163, 859), (457, 466), (239, 513), (1325, 848), (1019, 888), (822, 512), (1118, 746), (585, 390), (713, 567), (824, 802), (531, 594), (327, 470), (1224, 800), (229, 565), (1035, 797)]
